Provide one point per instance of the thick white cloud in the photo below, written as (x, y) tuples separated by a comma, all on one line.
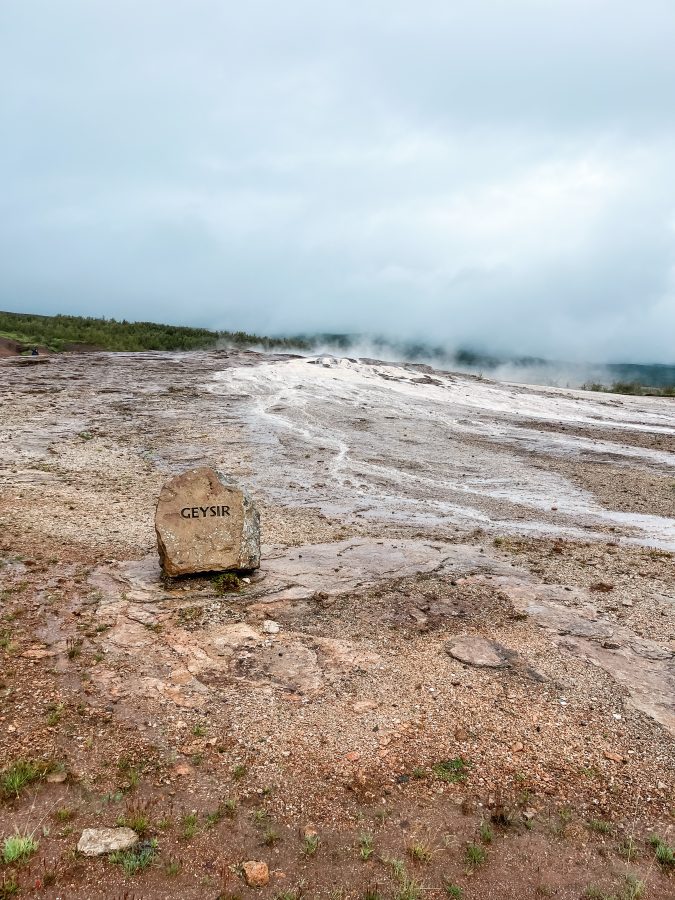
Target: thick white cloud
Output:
[(489, 173)]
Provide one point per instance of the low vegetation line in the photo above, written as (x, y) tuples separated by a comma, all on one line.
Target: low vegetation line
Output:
[(59, 333), (634, 388)]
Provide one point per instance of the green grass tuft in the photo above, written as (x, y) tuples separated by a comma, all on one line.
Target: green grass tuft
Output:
[(451, 770), (366, 848), (227, 583), (20, 774), (453, 890), (475, 855), (136, 859), (18, 848), (663, 852)]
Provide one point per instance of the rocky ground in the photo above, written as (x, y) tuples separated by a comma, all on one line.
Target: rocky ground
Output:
[(452, 676)]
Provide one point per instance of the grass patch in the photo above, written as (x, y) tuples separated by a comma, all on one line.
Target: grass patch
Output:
[(136, 818), (190, 826), (628, 849), (633, 889), (397, 866), (593, 892), (409, 889), (64, 814), (260, 817), (211, 819), (420, 853), (453, 890), (55, 714), (600, 825), (451, 770), (310, 844), (271, 837), (18, 848), (366, 847), (9, 887), (663, 852), (136, 859), (230, 807), (485, 833), (227, 583), (20, 774), (474, 855)]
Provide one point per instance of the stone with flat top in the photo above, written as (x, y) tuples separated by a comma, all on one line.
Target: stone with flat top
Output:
[(205, 524)]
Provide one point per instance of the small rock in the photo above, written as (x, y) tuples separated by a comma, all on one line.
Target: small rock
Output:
[(270, 627), (362, 706), (256, 874), (476, 650), (57, 777), (614, 757), (310, 832), (518, 747), (182, 769), (97, 841), (353, 756)]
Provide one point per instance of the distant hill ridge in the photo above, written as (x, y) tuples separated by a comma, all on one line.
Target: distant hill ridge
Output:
[(21, 331), (59, 333)]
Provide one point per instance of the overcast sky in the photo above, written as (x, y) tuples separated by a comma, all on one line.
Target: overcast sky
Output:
[(493, 173)]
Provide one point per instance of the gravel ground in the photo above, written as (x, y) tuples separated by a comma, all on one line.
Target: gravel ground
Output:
[(559, 765)]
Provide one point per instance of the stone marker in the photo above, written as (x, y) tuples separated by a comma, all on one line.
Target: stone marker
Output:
[(204, 524), (96, 841)]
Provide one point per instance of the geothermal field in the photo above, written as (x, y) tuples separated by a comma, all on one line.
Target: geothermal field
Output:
[(453, 674)]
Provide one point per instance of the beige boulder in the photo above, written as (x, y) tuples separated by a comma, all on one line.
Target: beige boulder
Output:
[(204, 524), (97, 841)]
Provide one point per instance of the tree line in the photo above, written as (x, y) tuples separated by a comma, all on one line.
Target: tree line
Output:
[(60, 333)]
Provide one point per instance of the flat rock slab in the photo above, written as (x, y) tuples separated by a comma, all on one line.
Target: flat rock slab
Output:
[(475, 650), (97, 841), (204, 524), (301, 572)]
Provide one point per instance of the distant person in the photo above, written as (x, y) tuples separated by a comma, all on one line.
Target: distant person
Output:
[(34, 351)]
